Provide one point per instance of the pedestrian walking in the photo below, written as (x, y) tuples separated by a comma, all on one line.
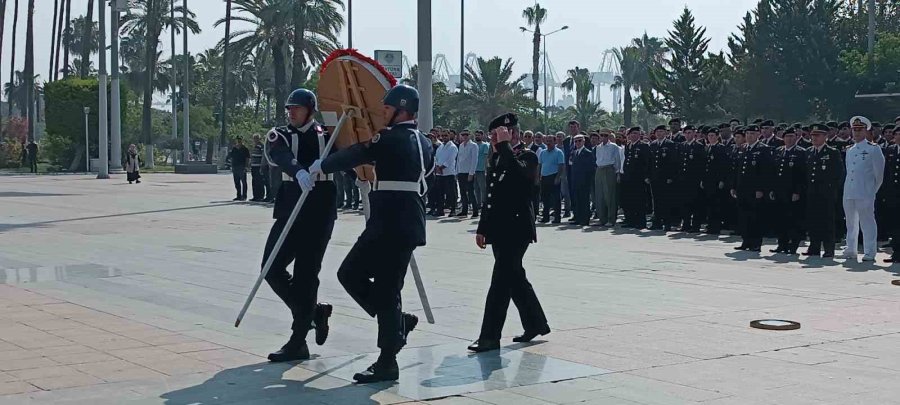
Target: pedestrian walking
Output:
[(240, 159), (507, 224), (132, 165)]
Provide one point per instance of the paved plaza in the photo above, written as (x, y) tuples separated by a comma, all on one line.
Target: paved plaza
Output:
[(113, 293)]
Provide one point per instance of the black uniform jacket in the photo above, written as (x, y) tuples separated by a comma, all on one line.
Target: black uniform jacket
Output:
[(396, 216), (637, 162), (321, 202), (790, 175), (755, 172), (507, 213), (825, 174), (717, 167)]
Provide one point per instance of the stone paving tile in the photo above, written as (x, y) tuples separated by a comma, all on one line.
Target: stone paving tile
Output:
[(42, 372), (15, 387), (65, 381), (20, 364), (81, 358), (190, 347), (17, 354)]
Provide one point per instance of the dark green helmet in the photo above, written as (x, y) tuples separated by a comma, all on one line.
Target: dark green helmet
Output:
[(403, 97), (304, 98)]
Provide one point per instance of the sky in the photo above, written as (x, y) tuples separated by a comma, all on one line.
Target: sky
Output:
[(492, 28)]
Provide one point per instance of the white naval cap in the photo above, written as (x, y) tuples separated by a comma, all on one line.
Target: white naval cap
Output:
[(859, 120)]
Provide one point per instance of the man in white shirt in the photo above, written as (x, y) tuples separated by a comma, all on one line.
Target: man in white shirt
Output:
[(865, 173), (466, 162), (445, 169), (610, 158)]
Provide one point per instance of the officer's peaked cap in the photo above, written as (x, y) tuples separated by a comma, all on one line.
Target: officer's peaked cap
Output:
[(660, 127), (860, 122), (403, 97), (752, 128), (819, 128), (504, 120)]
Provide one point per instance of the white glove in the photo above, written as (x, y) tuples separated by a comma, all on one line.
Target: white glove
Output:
[(316, 167), (305, 180)]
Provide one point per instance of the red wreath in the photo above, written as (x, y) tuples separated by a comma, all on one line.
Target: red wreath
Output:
[(354, 53)]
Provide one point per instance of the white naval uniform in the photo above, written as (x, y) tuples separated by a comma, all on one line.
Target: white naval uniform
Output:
[(865, 172)]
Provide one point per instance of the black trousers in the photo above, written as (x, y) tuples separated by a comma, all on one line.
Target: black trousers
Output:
[(714, 203), (750, 208), (240, 181), (467, 192), (536, 198), (550, 195), (373, 273), (32, 163), (691, 206), (447, 193), (583, 200), (820, 215), (509, 282), (787, 222), (634, 202), (665, 210), (434, 192), (259, 183), (305, 245)]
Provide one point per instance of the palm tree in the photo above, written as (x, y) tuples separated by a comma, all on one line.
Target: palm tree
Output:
[(580, 80), (66, 37), (2, 31), (81, 44), (87, 38), (29, 68), (535, 16), (319, 21), (629, 64), (12, 63), (53, 36), (16, 92), (150, 17), (227, 41), (492, 90), (59, 39), (273, 31)]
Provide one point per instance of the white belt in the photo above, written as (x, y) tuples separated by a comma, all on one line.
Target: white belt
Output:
[(411, 186), (317, 177)]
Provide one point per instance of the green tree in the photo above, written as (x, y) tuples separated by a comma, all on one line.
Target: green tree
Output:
[(491, 90), (628, 80), (586, 112), (534, 17)]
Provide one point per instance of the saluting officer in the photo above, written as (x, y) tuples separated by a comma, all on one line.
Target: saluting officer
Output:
[(693, 165), (865, 173), (891, 193), (824, 180), (716, 169), (507, 224), (667, 165), (786, 193), (374, 269), (751, 183), (635, 180), (293, 148)]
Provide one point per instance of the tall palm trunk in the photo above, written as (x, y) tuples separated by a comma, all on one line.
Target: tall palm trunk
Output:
[(12, 63), (86, 41), (29, 69), (53, 37), (280, 71), (59, 38), (628, 107), (68, 33), (298, 60), (150, 45), (225, 69), (2, 31), (535, 60)]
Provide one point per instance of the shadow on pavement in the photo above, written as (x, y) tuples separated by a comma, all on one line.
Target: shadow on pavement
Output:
[(264, 383), (7, 227)]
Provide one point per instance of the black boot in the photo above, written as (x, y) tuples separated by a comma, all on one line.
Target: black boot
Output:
[(382, 370), (321, 315), (530, 335), (294, 350)]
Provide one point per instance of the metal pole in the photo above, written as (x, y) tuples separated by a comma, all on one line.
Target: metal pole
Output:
[(426, 118), (103, 143), (186, 90), (87, 150), (545, 77), (115, 97), (350, 24), (462, 43), (174, 73)]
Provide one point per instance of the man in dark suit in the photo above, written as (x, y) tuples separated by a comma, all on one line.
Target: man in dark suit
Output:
[(507, 224), (824, 183), (573, 128), (751, 185), (635, 180), (666, 165), (786, 192), (583, 167)]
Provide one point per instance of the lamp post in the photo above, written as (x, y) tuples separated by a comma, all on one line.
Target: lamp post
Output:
[(87, 150), (544, 39), (426, 117), (103, 125), (118, 6)]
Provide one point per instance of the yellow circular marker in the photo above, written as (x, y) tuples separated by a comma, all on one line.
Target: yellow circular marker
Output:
[(774, 324)]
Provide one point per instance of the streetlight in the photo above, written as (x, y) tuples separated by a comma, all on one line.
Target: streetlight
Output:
[(544, 39), (87, 153)]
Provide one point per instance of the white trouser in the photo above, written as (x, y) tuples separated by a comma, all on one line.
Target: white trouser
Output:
[(861, 213)]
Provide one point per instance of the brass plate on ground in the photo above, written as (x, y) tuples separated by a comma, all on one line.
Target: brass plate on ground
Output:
[(774, 324)]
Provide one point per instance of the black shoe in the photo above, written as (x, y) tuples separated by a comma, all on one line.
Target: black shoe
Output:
[(452, 214), (828, 254), (754, 249), (378, 372), (137, 181), (130, 182), (474, 215), (741, 247), (409, 324), (810, 253), (243, 198), (484, 345), (556, 220), (269, 200), (321, 315), (777, 250), (544, 220), (892, 259), (463, 214), (236, 199), (530, 335), (567, 214), (255, 199), (290, 352)]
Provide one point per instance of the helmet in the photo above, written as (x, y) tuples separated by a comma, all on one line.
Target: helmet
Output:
[(403, 97), (304, 98)]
